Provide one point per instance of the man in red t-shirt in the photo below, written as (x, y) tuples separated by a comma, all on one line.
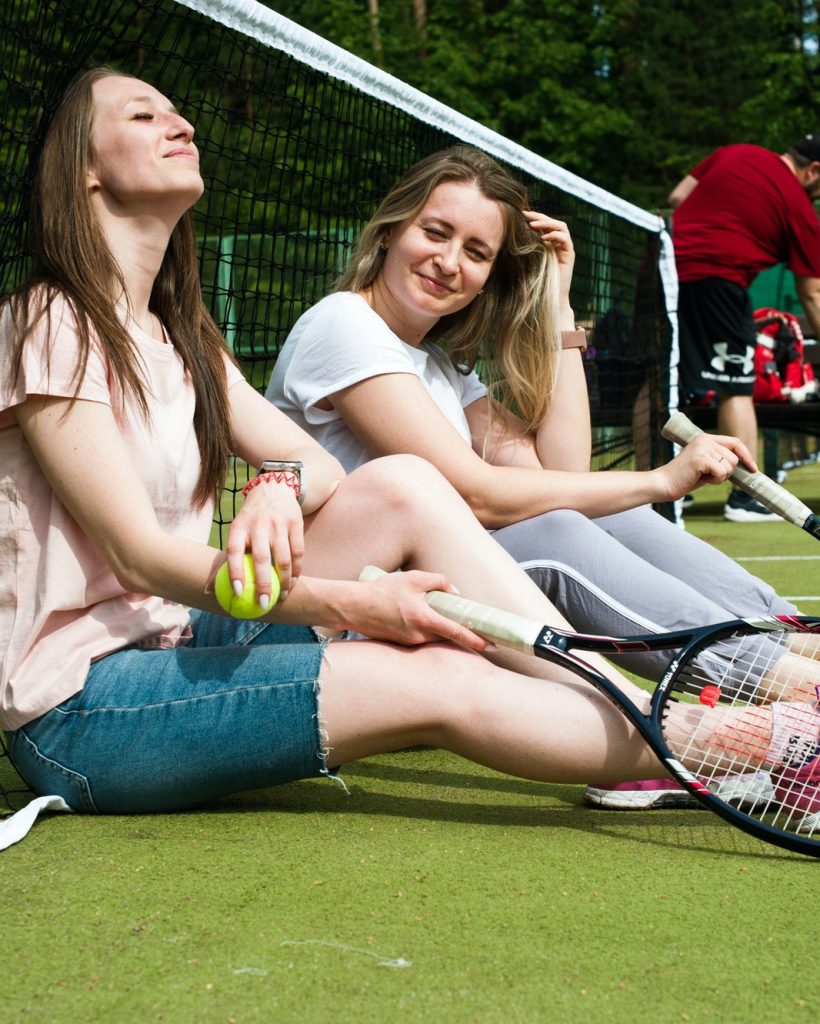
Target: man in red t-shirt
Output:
[(742, 209)]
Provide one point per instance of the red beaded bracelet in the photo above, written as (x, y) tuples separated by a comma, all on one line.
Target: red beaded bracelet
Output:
[(283, 476)]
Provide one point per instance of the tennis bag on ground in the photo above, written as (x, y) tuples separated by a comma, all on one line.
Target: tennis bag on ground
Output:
[(781, 372)]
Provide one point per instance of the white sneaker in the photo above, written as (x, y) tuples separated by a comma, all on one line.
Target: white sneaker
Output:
[(810, 824), (746, 791)]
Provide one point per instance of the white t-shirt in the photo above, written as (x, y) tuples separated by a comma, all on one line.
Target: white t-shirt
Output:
[(61, 607), (341, 341)]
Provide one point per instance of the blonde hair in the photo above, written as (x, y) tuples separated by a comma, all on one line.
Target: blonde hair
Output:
[(512, 326), (71, 257)]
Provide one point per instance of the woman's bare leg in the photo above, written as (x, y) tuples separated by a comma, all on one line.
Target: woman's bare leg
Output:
[(401, 513), (376, 698)]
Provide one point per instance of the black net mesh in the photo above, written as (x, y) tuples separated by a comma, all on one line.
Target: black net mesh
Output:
[(14, 792), (295, 162)]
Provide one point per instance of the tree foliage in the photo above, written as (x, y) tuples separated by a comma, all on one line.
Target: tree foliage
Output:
[(628, 93)]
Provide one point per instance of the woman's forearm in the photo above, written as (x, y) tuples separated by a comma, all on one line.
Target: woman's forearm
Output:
[(512, 494), (183, 571), (564, 439), (508, 494)]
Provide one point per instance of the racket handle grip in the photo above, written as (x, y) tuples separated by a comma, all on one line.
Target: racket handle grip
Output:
[(680, 429), (370, 573), (504, 628)]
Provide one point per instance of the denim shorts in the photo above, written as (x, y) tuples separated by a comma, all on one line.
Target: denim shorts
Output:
[(167, 729)]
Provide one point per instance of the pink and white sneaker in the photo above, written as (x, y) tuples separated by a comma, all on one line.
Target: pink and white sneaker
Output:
[(745, 791), (646, 795)]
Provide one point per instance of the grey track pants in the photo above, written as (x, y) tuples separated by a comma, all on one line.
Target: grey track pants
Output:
[(634, 572)]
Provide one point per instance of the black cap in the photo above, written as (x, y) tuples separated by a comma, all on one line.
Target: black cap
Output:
[(808, 146)]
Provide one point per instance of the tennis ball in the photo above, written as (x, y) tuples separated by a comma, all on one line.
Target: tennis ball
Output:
[(245, 606)]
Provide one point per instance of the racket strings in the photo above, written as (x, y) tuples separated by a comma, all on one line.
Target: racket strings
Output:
[(719, 743), (742, 667), (807, 644), (741, 751), (743, 728)]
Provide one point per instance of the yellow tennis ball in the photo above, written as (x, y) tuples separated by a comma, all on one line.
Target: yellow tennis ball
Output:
[(245, 606)]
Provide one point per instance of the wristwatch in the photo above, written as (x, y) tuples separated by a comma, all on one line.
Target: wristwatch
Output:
[(283, 466)]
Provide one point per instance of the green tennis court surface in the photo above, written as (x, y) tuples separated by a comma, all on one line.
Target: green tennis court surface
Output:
[(435, 891)]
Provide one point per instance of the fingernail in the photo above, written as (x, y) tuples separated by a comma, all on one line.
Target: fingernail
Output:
[(283, 594), (264, 601), (491, 648), (237, 588)]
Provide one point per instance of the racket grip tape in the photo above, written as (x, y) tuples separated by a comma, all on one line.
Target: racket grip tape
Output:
[(680, 429), (503, 628)]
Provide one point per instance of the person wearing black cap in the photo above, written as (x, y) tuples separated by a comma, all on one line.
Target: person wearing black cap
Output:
[(741, 210)]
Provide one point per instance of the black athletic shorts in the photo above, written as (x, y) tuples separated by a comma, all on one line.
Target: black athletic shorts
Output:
[(717, 339)]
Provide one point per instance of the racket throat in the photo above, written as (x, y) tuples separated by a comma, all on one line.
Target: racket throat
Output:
[(549, 640)]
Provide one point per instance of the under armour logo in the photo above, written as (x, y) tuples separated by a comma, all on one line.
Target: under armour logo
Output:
[(745, 361)]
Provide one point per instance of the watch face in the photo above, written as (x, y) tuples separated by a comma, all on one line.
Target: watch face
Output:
[(271, 465), (285, 466)]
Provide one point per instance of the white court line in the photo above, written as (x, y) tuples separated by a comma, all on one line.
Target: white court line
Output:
[(779, 558)]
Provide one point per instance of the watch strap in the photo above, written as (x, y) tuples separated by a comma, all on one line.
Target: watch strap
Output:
[(574, 339)]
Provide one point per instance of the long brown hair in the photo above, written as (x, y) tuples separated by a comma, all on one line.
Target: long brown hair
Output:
[(71, 258), (512, 326)]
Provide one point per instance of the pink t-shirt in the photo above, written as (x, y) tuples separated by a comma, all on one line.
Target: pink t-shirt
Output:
[(61, 606)]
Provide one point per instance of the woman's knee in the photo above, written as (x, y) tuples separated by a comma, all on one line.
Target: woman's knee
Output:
[(636, 522), (402, 483), (549, 535)]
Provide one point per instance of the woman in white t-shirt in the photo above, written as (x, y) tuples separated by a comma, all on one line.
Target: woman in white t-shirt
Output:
[(119, 407), (454, 257)]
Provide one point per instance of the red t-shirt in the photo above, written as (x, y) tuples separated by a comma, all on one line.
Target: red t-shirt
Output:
[(747, 212)]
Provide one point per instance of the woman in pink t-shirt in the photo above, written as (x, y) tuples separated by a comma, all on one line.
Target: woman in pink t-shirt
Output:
[(120, 408)]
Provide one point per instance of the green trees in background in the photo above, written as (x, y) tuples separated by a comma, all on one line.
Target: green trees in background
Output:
[(627, 93)]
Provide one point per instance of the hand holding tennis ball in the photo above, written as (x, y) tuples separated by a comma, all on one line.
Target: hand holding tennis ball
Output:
[(245, 606)]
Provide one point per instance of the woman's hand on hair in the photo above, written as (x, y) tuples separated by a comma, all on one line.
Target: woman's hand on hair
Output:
[(270, 527), (556, 233)]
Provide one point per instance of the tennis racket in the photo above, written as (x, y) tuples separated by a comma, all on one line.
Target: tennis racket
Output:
[(728, 671), (680, 429)]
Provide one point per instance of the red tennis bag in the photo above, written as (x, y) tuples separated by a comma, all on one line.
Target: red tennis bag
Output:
[(781, 372)]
